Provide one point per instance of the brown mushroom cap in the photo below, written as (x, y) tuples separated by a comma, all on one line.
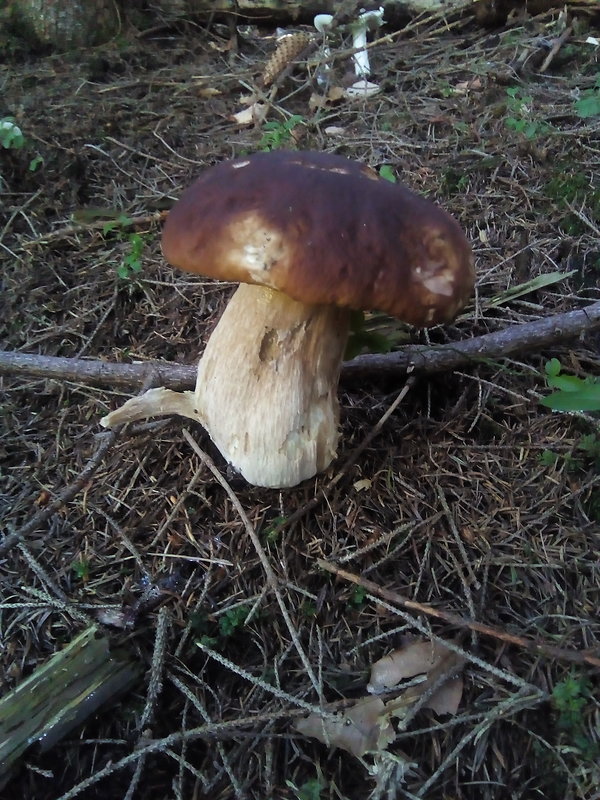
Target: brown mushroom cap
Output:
[(323, 230)]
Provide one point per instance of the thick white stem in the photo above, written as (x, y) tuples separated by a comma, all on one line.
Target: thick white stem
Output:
[(369, 20), (267, 387), (362, 66)]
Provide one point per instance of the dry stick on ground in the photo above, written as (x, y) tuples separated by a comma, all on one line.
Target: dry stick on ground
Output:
[(426, 359), (98, 225), (557, 44), (271, 577), (534, 645)]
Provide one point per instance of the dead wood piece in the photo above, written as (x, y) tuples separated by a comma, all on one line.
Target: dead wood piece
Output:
[(423, 359), (59, 695)]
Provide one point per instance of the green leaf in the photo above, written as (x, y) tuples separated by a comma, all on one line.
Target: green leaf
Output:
[(585, 399), (310, 790), (588, 106), (233, 619), (567, 383), (35, 162), (548, 458), (530, 286), (386, 172), (590, 444), (552, 367), (11, 136)]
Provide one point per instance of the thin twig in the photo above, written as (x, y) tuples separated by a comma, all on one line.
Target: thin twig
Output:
[(557, 44), (533, 645), (73, 230), (424, 359), (154, 689)]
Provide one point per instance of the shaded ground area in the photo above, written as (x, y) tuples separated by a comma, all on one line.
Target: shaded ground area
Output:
[(474, 498)]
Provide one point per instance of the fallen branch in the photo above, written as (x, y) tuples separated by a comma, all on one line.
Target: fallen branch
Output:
[(424, 359), (533, 645)]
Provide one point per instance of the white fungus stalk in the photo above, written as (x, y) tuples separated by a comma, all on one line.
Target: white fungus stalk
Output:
[(322, 23), (365, 22), (266, 387)]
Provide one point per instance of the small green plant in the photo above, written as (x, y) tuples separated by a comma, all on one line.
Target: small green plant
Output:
[(131, 263), (573, 393), (568, 188), (585, 455), (453, 181), (591, 505), (386, 172), (358, 596), (279, 134), (361, 339), (11, 136), (81, 569), (202, 627), (446, 90), (569, 699), (310, 790), (270, 532), (588, 104), (233, 619), (548, 458), (35, 162), (521, 119), (308, 609)]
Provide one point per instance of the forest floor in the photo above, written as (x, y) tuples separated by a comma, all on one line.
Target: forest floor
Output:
[(473, 498)]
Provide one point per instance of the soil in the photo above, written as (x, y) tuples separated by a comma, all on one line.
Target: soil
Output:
[(473, 498)]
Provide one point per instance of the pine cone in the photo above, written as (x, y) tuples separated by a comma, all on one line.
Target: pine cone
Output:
[(288, 48)]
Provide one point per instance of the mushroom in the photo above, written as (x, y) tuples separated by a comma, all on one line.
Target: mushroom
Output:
[(309, 236), (323, 23), (366, 21)]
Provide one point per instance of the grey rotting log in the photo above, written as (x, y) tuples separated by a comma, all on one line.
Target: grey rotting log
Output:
[(59, 695)]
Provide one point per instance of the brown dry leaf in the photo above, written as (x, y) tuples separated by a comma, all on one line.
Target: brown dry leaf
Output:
[(447, 698), (335, 93), (43, 498), (468, 86), (251, 115), (363, 727), (431, 658), (318, 101), (414, 659)]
